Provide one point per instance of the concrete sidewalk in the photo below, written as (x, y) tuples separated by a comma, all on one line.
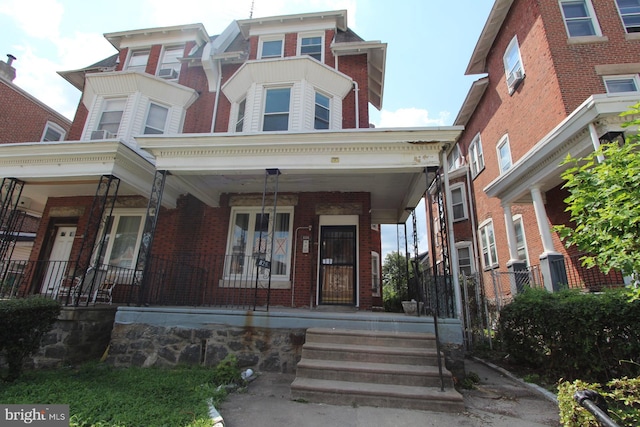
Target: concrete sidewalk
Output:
[(499, 400)]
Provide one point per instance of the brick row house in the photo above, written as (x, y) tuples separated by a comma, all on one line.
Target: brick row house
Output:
[(23, 118), (234, 169), (555, 75)]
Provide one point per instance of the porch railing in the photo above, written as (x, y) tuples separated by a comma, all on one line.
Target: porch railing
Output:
[(593, 279)]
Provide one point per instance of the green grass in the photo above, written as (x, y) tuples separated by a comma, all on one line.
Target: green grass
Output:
[(103, 396)]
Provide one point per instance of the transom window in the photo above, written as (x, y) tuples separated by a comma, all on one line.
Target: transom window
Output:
[(322, 110), (622, 84), (271, 48), (504, 154), (476, 159), (53, 132), (311, 46), (513, 69), (240, 119), (458, 202), (138, 60), (630, 14), (111, 116), (123, 234), (170, 61), (488, 245), (156, 119), (579, 18), (276, 109), (253, 236)]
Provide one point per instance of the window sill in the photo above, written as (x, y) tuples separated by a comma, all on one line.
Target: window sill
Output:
[(587, 39), (251, 284), (632, 36)]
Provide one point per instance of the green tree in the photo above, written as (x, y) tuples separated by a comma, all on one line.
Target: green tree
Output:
[(394, 281), (604, 203)]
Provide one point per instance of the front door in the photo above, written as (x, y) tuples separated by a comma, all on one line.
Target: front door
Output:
[(58, 260), (338, 265)]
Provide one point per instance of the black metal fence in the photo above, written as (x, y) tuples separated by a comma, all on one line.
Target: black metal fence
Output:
[(592, 279)]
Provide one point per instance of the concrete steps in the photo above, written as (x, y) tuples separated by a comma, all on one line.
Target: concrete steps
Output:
[(373, 368)]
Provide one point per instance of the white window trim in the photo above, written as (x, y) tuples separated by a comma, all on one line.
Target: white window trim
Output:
[(56, 127), (516, 219), (330, 98), (454, 159), (133, 53), (460, 186), (162, 63), (310, 35), (253, 211), (476, 156), (116, 215), (504, 141), (592, 15), (237, 120), (633, 77), (264, 39), (264, 107), (493, 262), (622, 20), (105, 102), (146, 117), (513, 76), (466, 245)]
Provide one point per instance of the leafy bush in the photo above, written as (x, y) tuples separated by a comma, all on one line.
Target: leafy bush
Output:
[(24, 322), (594, 337), (227, 371), (622, 397)]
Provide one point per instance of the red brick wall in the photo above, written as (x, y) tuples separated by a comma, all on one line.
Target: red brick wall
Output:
[(200, 113), (75, 133), (355, 67), (22, 119)]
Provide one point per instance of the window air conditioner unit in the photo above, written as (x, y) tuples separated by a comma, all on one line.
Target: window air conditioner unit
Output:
[(168, 73), (514, 78), (102, 134)]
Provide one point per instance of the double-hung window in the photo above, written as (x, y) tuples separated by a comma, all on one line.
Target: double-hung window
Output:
[(276, 109), (138, 60), (630, 14), (123, 234), (271, 48), (322, 112), (53, 132), (170, 65), (454, 158), (111, 116), (156, 119), (488, 245), (521, 244), (311, 46), (458, 202), (242, 106), (504, 154), (513, 69), (622, 84), (476, 159), (465, 260), (254, 236), (579, 18)]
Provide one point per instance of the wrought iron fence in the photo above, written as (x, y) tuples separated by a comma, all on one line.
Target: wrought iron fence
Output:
[(581, 277)]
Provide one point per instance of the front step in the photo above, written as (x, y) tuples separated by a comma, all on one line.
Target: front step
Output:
[(373, 368)]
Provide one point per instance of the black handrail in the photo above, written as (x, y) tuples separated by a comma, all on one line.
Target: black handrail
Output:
[(593, 402)]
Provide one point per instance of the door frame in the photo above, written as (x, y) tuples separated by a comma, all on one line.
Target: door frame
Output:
[(339, 220)]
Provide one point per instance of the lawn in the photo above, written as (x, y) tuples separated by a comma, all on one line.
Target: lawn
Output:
[(102, 396)]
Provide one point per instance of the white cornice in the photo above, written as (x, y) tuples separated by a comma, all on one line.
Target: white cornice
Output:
[(160, 35), (332, 19), (478, 61)]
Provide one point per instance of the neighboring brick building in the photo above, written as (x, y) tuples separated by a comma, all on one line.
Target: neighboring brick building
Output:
[(558, 73), (246, 158), (23, 119)]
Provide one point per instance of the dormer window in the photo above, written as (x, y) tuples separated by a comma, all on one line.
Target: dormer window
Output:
[(271, 48), (276, 109), (138, 60), (170, 65), (310, 45)]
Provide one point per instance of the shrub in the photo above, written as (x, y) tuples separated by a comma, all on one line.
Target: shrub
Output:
[(594, 337), (227, 371), (622, 397), (24, 322)]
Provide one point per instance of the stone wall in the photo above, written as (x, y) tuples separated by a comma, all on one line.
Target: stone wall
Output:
[(264, 349)]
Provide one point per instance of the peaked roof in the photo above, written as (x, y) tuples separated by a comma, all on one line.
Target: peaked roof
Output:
[(478, 62)]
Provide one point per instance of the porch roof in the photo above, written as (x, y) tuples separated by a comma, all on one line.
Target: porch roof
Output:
[(387, 163)]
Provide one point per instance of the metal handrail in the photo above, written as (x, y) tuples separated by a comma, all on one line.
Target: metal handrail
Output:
[(593, 402)]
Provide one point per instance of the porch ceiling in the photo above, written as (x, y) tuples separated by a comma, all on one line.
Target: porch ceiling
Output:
[(388, 163)]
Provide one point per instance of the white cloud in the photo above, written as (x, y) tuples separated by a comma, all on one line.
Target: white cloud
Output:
[(410, 117), (37, 18)]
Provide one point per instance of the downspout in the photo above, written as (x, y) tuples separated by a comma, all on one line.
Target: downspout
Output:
[(474, 232), (356, 89), (215, 105)]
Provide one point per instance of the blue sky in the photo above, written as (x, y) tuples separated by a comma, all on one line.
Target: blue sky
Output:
[(429, 45)]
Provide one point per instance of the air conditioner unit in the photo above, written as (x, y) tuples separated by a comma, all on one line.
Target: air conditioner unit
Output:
[(514, 78), (102, 134), (168, 73)]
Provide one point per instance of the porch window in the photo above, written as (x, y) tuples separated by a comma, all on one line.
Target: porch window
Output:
[(630, 14), (521, 243), (123, 234), (322, 112), (252, 236), (488, 245), (579, 18), (276, 109), (111, 116), (138, 60), (156, 119), (476, 159)]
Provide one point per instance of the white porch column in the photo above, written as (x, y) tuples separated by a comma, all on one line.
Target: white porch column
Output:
[(511, 233), (595, 140), (541, 219)]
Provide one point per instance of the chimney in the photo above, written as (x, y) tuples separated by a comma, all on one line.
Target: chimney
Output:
[(7, 72)]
